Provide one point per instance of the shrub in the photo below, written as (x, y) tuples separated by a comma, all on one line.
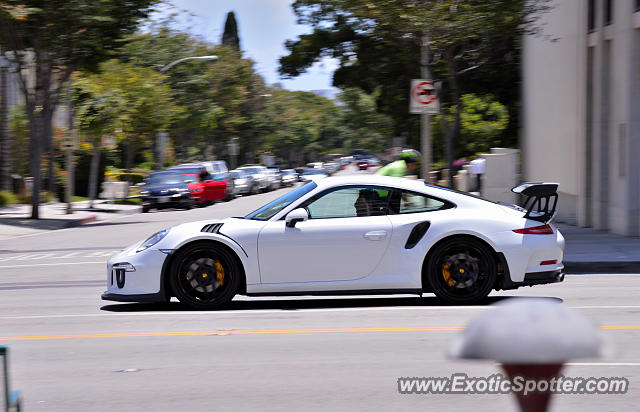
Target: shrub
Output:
[(7, 198)]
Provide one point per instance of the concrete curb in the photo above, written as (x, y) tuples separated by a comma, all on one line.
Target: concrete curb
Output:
[(602, 267), (78, 222)]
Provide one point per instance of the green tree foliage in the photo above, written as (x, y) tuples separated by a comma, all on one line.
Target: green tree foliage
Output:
[(230, 36), (219, 97), (48, 40), (127, 101), (364, 126), (298, 126), (473, 45), (482, 119)]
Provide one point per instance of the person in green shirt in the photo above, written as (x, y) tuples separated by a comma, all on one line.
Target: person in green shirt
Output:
[(400, 168)]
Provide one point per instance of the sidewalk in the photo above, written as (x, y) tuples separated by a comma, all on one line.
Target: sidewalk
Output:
[(15, 221), (593, 251)]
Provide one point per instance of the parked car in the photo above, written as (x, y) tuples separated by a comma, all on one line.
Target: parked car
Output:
[(243, 182), (220, 192), (259, 174), (219, 170), (289, 177), (164, 190), (331, 167), (312, 175), (275, 180), (315, 165), (204, 193), (363, 164)]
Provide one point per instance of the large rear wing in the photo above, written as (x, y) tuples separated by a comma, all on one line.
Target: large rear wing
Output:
[(540, 200)]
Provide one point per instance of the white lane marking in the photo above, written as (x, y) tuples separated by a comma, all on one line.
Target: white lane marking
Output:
[(13, 257), (258, 311), (603, 364), (36, 256), (50, 255), (51, 264), (68, 255)]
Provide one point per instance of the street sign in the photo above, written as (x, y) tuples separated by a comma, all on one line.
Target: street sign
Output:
[(69, 141), (423, 98)]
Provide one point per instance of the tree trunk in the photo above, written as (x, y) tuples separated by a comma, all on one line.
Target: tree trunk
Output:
[(455, 98), (93, 172), (48, 143), (5, 159)]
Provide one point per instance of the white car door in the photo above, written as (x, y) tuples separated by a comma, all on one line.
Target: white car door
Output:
[(344, 239)]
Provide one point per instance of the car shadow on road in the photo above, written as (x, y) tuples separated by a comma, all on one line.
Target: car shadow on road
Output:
[(303, 304)]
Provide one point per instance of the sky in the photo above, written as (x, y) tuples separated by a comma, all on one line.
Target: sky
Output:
[(263, 27)]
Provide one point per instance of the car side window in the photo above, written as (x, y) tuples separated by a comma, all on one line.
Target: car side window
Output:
[(402, 202), (354, 201)]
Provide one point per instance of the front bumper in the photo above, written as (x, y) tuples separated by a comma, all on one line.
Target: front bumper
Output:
[(167, 200), (144, 283)]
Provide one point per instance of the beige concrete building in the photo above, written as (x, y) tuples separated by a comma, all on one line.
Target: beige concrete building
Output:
[(581, 111)]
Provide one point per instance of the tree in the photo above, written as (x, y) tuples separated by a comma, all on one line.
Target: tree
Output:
[(130, 102), (230, 36), (48, 40), (378, 45), (221, 98)]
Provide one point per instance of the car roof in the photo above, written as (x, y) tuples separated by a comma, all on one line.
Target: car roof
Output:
[(414, 185)]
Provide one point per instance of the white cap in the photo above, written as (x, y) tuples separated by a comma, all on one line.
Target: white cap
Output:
[(529, 330)]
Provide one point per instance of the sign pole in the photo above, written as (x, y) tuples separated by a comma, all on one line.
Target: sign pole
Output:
[(425, 119)]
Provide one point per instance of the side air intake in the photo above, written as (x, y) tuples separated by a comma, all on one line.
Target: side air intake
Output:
[(212, 228)]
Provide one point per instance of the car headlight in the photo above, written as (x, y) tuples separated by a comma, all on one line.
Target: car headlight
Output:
[(152, 240)]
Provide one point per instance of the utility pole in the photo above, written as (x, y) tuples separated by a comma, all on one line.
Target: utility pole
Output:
[(425, 119)]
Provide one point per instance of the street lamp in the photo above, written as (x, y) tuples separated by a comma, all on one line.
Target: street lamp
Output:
[(162, 136), (170, 65)]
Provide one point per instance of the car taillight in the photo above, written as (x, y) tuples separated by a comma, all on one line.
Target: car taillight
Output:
[(536, 230)]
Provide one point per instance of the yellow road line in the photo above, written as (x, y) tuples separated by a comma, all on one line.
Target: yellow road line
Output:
[(232, 332), (260, 332)]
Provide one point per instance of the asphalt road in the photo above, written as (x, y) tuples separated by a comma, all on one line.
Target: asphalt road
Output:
[(70, 351)]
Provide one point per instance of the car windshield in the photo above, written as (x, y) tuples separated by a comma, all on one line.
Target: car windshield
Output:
[(188, 170), (313, 172), (253, 170), (269, 210), (165, 179)]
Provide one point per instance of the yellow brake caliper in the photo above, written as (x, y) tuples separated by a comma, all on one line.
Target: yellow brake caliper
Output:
[(219, 273), (447, 275)]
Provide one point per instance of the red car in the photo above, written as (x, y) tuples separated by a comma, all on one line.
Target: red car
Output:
[(363, 164), (205, 192)]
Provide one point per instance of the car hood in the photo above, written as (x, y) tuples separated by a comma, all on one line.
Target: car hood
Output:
[(242, 231), (156, 188)]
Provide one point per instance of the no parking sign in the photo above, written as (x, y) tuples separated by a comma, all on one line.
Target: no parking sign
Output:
[(423, 98)]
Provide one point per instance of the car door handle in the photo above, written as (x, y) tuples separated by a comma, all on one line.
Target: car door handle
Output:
[(376, 235)]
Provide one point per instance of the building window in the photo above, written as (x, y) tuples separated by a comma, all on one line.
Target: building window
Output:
[(637, 5), (591, 18), (608, 12)]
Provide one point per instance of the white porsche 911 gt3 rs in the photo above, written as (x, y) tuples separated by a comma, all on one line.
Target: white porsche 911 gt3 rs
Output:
[(350, 235)]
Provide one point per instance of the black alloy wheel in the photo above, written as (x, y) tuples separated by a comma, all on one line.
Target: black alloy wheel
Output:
[(204, 276), (461, 270)]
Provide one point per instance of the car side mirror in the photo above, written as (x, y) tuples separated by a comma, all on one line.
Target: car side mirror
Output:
[(295, 216)]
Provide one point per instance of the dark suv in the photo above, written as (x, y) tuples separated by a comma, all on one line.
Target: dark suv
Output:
[(165, 189)]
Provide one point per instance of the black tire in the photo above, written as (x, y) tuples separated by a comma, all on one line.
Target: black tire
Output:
[(195, 278), (145, 209), (461, 270)]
